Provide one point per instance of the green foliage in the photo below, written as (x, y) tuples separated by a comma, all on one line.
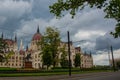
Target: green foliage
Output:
[(8, 55), (74, 5), (3, 47), (49, 45), (4, 55), (1, 58), (77, 60), (47, 57), (7, 69), (64, 61), (116, 34), (118, 64), (110, 7)]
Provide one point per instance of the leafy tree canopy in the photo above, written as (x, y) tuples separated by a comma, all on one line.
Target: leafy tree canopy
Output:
[(8, 55), (3, 47), (64, 61), (49, 44), (77, 60), (111, 7), (4, 53)]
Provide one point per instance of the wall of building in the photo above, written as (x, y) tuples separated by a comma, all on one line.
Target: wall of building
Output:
[(17, 60)]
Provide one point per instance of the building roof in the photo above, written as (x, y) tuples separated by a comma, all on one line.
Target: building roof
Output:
[(66, 42), (37, 35), (78, 49), (89, 55), (9, 41), (22, 52)]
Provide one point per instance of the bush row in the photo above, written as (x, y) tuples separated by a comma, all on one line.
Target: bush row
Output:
[(57, 69)]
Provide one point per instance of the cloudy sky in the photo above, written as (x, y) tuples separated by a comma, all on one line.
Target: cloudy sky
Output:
[(89, 27)]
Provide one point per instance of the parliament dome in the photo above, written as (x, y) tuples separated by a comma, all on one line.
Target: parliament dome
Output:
[(37, 36)]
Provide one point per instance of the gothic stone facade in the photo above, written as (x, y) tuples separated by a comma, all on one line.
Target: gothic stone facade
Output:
[(18, 59)]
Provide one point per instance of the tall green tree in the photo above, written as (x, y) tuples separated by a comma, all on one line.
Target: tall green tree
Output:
[(7, 56), (4, 54), (47, 56), (118, 64), (3, 47), (46, 52), (64, 60), (77, 60), (110, 7), (49, 45)]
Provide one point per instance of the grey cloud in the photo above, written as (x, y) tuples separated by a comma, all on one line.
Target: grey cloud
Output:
[(104, 42), (11, 14), (36, 12), (14, 9), (90, 21), (41, 9)]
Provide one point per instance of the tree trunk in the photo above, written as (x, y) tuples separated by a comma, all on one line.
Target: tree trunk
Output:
[(47, 67)]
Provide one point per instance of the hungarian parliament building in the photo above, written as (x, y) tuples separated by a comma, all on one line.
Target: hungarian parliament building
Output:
[(31, 58)]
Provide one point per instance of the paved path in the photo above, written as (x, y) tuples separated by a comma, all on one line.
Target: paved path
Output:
[(88, 76), (106, 76)]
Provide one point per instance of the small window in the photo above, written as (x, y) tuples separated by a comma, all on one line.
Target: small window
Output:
[(12, 57), (16, 57)]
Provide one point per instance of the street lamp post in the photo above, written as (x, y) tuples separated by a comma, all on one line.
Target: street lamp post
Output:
[(108, 45), (69, 53), (113, 62), (109, 55)]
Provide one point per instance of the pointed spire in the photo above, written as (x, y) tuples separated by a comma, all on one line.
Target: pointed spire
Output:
[(27, 48), (15, 38), (85, 53), (2, 35), (38, 29), (90, 54), (21, 45), (11, 37)]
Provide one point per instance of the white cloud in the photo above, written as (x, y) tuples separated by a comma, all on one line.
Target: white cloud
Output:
[(88, 34), (2, 19), (103, 59), (14, 9), (105, 41), (86, 25), (30, 27), (116, 53)]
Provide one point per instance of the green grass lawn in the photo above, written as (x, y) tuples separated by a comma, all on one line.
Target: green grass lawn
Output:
[(45, 73), (13, 72), (7, 68), (31, 74)]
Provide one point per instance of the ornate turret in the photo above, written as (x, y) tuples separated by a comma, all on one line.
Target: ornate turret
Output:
[(38, 29), (27, 48), (15, 38), (37, 35), (2, 35), (90, 54), (85, 53), (21, 45), (21, 48)]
